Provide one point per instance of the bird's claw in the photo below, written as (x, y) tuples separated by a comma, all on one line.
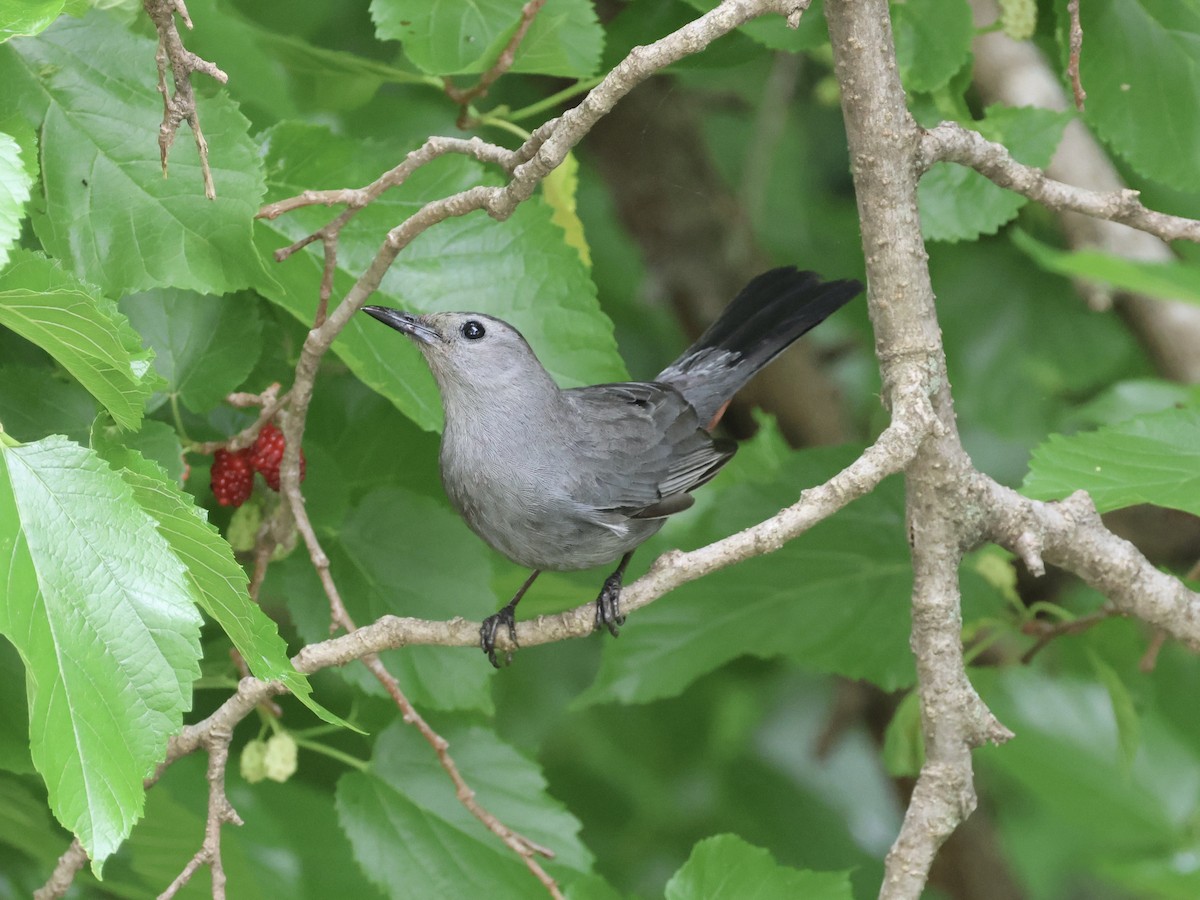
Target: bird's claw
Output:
[(608, 606), (487, 633)]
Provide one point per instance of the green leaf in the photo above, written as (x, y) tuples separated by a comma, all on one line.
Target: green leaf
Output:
[(565, 39), (591, 887), (1124, 712), (449, 38), (833, 600), (143, 230), (411, 556), (1066, 762), (157, 441), (933, 40), (413, 837), (521, 270), (282, 73), (100, 611), (726, 866), (216, 581), (80, 328), (903, 743), (1141, 69), (1025, 336), (1154, 875), (959, 204), (37, 400), (19, 18), (1131, 398), (25, 822), (1168, 280), (15, 126), (203, 346), (14, 194), (163, 842), (321, 863), (14, 712), (1150, 459)]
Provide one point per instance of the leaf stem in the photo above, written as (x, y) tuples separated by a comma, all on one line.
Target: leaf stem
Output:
[(504, 125), (179, 429), (534, 109), (345, 758)]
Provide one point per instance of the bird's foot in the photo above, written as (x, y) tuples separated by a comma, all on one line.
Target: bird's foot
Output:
[(492, 624), (608, 605)]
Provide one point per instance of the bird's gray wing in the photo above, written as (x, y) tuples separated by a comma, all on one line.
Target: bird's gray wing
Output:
[(640, 449)]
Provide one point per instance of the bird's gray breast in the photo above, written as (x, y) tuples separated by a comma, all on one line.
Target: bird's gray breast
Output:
[(525, 480)]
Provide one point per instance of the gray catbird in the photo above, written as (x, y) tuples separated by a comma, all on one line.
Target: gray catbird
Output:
[(571, 479)]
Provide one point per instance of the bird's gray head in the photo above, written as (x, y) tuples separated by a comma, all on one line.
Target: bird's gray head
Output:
[(469, 353)]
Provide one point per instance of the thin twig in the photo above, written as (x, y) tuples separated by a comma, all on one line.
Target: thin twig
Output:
[(340, 617), (1048, 631), (270, 401), (1076, 42), (220, 812), (179, 106), (1149, 659), (1193, 574), (464, 96), (518, 843)]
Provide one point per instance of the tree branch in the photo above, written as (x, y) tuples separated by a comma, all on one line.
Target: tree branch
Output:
[(885, 145), (950, 142), (1071, 535), (73, 859), (951, 506)]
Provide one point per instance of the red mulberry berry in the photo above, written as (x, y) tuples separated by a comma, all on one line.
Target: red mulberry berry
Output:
[(232, 477), (267, 452)]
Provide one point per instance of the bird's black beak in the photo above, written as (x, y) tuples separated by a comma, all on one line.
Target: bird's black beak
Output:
[(403, 322)]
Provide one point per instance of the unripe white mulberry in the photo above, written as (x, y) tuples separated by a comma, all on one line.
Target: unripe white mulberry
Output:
[(280, 758), (1018, 18), (253, 761)]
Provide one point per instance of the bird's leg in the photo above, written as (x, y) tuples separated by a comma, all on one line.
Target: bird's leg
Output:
[(506, 616), (608, 604)]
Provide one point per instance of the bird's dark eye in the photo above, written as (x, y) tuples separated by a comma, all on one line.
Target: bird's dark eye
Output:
[(472, 330)]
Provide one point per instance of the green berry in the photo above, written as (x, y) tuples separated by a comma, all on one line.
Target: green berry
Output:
[(280, 760), (253, 761), (1018, 18)]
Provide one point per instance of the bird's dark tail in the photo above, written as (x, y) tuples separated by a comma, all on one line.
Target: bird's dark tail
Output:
[(772, 311)]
